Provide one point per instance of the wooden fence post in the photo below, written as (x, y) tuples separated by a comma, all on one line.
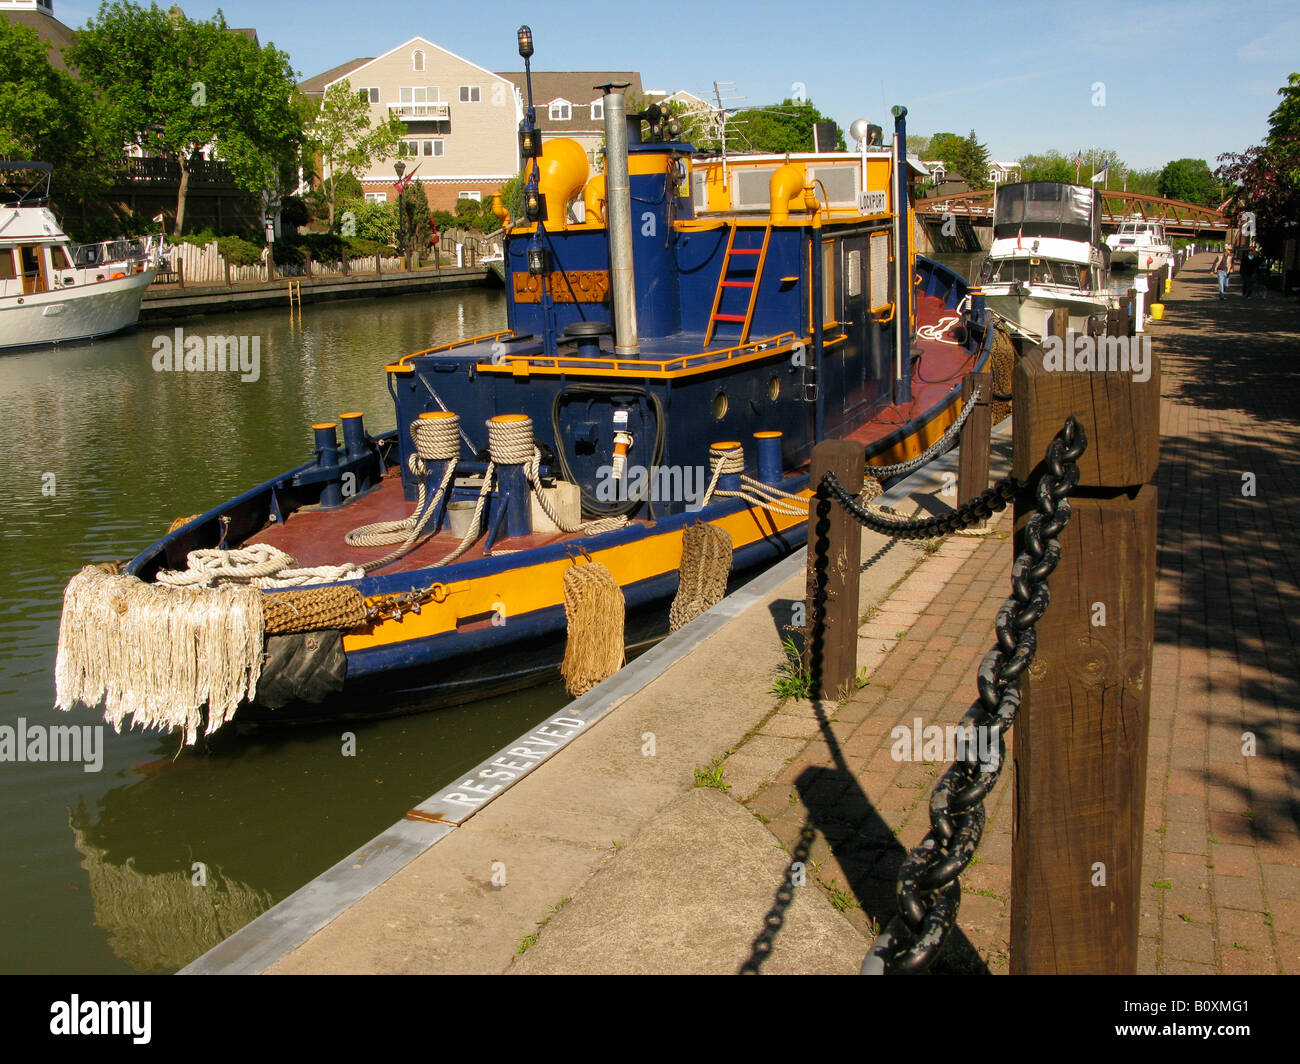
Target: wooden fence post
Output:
[(973, 457), (834, 562), (345, 261), (180, 271), (1081, 737)]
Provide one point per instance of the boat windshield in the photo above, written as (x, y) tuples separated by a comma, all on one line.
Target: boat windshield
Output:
[(1034, 271), (1046, 208)]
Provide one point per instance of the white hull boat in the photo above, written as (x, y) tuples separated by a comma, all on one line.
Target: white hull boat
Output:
[(1140, 245), (1047, 254), (54, 292)]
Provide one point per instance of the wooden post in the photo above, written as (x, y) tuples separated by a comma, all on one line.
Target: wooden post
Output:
[(1060, 321), (1081, 737), (180, 271), (379, 261), (1131, 298), (345, 261), (973, 458), (227, 262), (834, 560)]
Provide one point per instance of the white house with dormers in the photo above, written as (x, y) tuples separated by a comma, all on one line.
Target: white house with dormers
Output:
[(1001, 172), (460, 120)]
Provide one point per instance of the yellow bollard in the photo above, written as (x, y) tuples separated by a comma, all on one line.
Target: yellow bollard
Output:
[(1169, 285), (1157, 312)]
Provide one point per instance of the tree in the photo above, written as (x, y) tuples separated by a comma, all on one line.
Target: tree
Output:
[(1190, 180), (413, 230), (174, 87), (973, 161), (788, 127), (962, 155), (1050, 166), (46, 115), (344, 139)]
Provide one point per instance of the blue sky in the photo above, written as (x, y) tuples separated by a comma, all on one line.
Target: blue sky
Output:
[(1181, 77)]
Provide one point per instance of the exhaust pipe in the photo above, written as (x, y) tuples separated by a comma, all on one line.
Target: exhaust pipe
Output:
[(618, 197)]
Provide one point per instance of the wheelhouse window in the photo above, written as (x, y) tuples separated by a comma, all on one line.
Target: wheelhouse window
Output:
[(560, 111), (7, 271)]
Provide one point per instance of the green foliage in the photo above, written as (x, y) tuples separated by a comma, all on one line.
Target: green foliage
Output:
[(413, 230), (1050, 166), (294, 212), (343, 137), (512, 196), (787, 127), (961, 155), (711, 776), (172, 85), (1190, 180), (47, 115), (792, 680)]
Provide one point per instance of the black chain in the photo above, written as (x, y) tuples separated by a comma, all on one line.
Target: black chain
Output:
[(969, 513), (929, 890)]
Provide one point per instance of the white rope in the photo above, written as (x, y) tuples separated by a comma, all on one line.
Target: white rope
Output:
[(256, 565), (436, 440), (754, 492), (511, 443), (937, 332)]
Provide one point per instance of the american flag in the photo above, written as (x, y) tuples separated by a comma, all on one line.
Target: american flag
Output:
[(1078, 159)]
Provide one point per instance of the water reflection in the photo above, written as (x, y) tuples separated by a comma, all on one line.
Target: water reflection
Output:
[(129, 449)]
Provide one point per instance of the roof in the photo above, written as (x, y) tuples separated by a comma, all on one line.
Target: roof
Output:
[(316, 86), (48, 28), (578, 87)]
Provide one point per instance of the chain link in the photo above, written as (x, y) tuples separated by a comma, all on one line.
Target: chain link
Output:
[(929, 890), (940, 446), (969, 513)]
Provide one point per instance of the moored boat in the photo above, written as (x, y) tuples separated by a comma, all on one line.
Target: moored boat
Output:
[(1047, 253), (1140, 244), (52, 291), (642, 427)]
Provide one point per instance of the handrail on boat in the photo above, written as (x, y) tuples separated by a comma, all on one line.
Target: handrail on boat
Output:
[(454, 344), (642, 367)]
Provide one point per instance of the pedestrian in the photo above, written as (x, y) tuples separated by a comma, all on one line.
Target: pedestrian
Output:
[(1249, 270), (1221, 267)]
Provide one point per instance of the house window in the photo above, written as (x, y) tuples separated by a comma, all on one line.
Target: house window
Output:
[(376, 197), (370, 95), (561, 111), (470, 94), (408, 147), (417, 94), (470, 194), (417, 60), (433, 147), (597, 109)]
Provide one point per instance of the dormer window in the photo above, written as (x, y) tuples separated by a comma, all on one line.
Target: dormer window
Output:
[(560, 111), (597, 110), (417, 60)]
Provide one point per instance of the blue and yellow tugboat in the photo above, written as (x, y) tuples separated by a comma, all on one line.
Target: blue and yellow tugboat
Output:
[(682, 329)]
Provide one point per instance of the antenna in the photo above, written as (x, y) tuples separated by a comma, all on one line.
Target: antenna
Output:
[(718, 87)]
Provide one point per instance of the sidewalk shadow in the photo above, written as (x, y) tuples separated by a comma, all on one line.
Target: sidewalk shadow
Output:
[(1231, 556), (836, 806), (867, 851)]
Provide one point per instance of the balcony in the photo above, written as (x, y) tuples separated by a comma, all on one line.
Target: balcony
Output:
[(421, 112)]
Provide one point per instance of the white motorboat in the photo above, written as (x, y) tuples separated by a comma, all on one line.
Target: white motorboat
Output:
[(52, 291), (1140, 244), (1047, 253)]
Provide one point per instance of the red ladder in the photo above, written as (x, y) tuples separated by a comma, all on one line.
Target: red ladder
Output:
[(725, 282)]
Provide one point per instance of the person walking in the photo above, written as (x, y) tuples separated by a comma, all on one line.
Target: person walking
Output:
[(1249, 270), (1221, 267)]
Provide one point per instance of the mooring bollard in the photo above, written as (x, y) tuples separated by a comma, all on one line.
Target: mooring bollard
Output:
[(834, 556), (973, 458), (1081, 736)]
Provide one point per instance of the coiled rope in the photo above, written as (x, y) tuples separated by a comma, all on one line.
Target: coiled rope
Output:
[(731, 460), (257, 565), (436, 439)]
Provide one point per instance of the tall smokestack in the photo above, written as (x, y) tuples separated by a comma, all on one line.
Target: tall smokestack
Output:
[(618, 197)]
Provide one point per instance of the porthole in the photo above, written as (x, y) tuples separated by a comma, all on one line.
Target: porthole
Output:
[(774, 389), (720, 406)]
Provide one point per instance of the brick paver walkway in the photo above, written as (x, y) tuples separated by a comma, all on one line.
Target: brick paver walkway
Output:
[(1221, 863)]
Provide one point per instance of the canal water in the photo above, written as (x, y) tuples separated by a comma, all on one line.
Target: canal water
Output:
[(146, 863)]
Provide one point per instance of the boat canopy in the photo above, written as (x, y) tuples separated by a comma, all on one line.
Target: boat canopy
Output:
[(1046, 209)]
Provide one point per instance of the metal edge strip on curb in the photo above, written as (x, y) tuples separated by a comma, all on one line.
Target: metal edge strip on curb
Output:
[(290, 922)]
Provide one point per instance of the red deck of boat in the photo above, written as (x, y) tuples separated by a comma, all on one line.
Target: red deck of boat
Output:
[(316, 537)]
